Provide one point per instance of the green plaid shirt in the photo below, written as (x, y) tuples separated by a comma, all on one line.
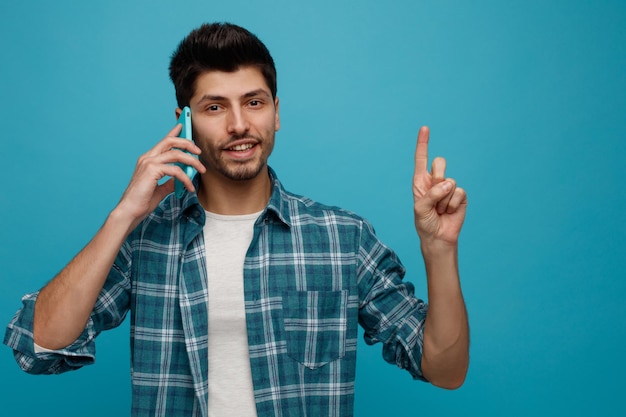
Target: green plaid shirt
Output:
[(312, 272)]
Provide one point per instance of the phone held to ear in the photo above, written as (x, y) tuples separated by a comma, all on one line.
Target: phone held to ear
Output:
[(185, 132)]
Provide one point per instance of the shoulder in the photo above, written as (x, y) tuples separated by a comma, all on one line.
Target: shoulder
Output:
[(297, 210), (315, 218), (305, 208)]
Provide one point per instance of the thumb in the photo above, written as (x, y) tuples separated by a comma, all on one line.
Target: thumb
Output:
[(433, 196)]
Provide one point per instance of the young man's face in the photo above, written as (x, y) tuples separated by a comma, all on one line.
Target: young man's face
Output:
[(234, 120)]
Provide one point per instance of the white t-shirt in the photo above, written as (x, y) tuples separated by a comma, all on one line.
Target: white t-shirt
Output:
[(227, 239)]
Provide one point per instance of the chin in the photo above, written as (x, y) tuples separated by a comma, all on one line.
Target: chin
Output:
[(243, 173)]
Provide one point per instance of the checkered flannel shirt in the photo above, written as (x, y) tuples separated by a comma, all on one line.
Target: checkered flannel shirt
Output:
[(312, 272)]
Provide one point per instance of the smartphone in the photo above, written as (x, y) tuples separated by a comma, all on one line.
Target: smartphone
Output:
[(185, 132)]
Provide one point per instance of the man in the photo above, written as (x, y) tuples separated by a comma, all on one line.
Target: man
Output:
[(245, 298)]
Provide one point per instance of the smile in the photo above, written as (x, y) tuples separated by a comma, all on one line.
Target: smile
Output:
[(243, 147)]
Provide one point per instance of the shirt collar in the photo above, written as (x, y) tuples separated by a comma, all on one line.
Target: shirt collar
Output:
[(190, 205), (278, 201), (277, 205)]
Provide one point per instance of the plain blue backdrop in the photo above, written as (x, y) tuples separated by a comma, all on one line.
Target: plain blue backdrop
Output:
[(525, 99)]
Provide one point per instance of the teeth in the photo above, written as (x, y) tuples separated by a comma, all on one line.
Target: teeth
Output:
[(244, 147)]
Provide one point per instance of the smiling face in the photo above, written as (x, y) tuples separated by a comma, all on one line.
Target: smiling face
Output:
[(235, 120)]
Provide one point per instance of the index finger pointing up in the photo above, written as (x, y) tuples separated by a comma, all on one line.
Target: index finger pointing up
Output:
[(421, 152)]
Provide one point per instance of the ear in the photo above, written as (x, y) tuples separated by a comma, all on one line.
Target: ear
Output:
[(277, 117), (178, 112)]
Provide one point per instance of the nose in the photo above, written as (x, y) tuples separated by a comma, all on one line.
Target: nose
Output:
[(237, 122)]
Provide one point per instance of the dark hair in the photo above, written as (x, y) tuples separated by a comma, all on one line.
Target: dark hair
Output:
[(218, 47)]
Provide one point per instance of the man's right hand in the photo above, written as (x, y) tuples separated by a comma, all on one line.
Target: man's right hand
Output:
[(64, 305), (144, 193)]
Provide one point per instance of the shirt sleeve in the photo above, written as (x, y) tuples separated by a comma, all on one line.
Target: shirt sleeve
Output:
[(109, 312), (389, 312)]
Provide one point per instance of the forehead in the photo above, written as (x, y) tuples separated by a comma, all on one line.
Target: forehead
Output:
[(229, 85)]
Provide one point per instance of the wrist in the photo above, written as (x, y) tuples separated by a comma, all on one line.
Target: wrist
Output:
[(438, 249), (442, 273), (121, 219)]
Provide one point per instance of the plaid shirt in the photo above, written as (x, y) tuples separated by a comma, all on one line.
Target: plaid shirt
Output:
[(312, 272)]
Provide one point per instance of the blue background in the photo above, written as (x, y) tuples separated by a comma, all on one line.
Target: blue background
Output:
[(525, 99)]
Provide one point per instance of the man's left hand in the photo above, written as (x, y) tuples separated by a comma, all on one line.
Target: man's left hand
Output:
[(439, 204)]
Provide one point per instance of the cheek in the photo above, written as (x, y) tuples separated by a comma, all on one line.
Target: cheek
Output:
[(204, 138), (208, 152), (207, 128)]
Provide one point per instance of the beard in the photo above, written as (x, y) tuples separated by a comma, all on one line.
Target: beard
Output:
[(213, 158), (240, 171)]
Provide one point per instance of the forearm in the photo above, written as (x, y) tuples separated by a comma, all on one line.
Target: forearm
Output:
[(445, 356), (64, 305)]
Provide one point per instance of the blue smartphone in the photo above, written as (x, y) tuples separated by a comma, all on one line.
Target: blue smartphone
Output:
[(185, 132)]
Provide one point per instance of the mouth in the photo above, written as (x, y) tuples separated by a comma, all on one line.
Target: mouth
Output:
[(241, 147), (242, 150)]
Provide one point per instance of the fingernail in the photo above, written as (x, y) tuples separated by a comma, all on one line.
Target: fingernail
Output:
[(446, 186)]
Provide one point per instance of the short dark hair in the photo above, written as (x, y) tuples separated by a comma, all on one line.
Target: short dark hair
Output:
[(218, 47)]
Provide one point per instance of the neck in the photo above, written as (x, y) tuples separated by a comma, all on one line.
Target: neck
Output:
[(222, 195)]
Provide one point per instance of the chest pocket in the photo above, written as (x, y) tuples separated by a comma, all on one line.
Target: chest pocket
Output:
[(315, 326)]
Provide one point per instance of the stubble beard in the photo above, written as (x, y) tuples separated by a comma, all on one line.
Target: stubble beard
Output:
[(241, 171), (237, 170)]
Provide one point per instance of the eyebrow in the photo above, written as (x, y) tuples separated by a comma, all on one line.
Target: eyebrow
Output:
[(253, 93), (257, 92)]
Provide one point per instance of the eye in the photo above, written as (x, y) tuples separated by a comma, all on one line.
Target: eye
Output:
[(255, 103), (213, 108)]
